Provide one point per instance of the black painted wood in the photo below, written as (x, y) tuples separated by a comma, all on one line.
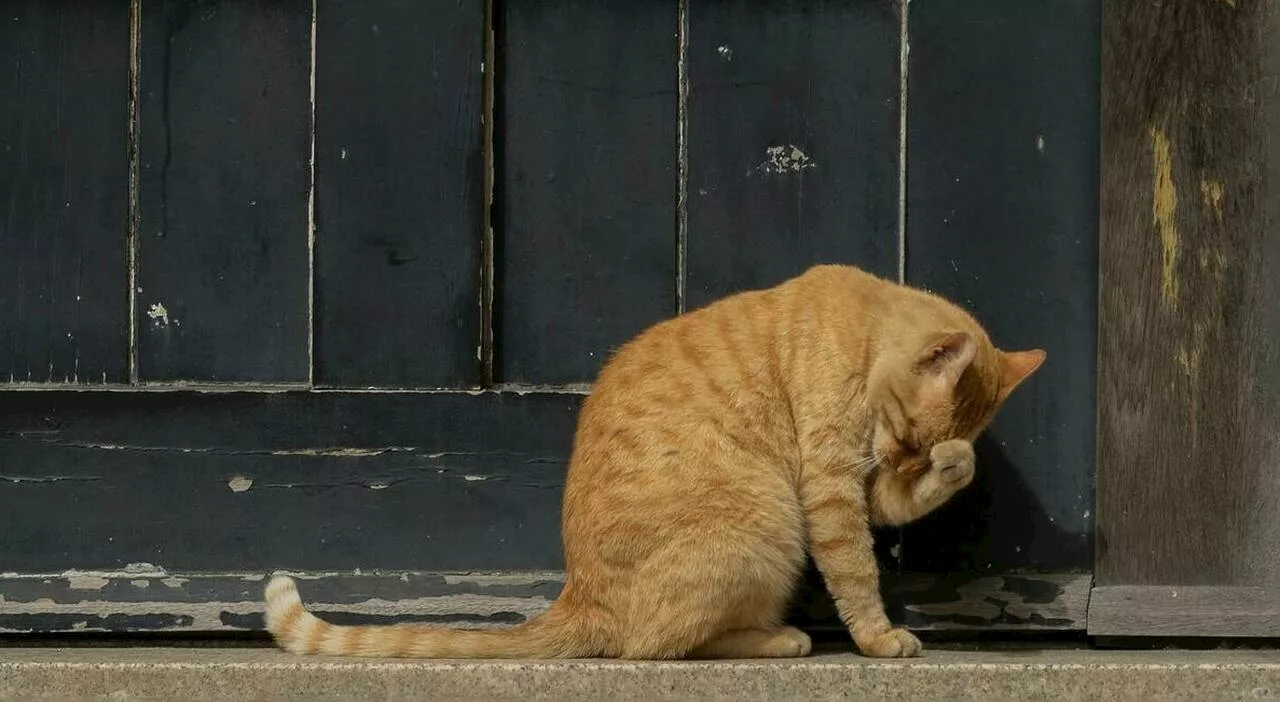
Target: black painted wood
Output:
[(399, 187), (586, 192), (793, 141), (1002, 218), (64, 86), (225, 144), (144, 598), (323, 481)]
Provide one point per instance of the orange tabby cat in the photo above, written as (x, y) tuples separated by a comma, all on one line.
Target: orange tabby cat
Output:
[(720, 446)]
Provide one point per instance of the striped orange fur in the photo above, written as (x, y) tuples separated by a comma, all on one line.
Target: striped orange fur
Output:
[(716, 450)]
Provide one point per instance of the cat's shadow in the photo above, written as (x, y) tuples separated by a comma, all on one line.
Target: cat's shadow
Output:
[(994, 527)]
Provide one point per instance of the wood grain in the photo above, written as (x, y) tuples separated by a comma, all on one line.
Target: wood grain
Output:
[(64, 305), (793, 141), (1189, 376), (223, 264), (586, 183), (399, 185), (1172, 611), (1002, 201)]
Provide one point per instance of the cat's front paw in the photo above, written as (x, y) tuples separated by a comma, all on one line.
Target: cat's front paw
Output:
[(894, 643), (953, 461)]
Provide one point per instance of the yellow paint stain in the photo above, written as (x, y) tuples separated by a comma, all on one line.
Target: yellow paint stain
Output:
[(1214, 263), (1230, 3), (1189, 360), (1211, 195), (1164, 207)]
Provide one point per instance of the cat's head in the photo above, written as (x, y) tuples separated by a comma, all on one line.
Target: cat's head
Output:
[(940, 386)]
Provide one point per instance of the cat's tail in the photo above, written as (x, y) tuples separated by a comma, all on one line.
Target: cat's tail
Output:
[(553, 634)]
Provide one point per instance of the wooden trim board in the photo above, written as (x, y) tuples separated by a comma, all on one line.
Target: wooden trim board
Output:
[(147, 599), (1171, 611)]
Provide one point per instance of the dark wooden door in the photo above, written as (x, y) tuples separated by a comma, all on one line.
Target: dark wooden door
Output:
[(320, 285), (1189, 474)]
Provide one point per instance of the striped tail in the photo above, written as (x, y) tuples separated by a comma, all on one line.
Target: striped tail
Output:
[(549, 635)]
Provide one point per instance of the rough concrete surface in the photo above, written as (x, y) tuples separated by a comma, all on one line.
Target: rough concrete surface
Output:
[(265, 674)]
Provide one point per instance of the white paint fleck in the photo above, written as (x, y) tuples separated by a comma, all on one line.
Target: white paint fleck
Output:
[(158, 314), (896, 551), (140, 583), (175, 582), (378, 486), (725, 52), (240, 483), (1087, 513), (86, 582), (342, 153), (1040, 143), (144, 568), (786, 159), (474, 478)]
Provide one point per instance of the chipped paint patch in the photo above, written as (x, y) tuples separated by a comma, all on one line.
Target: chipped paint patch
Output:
[(86, 582), (240, 483), (725, 52), (474, 478), (159, 315), (1164, 207), (342, 452), (174, 582), (1040, 143), (786, 159), (140, 584)]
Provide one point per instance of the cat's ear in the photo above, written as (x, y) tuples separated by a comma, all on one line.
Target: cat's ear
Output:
[(1017, 366), (946, 358)]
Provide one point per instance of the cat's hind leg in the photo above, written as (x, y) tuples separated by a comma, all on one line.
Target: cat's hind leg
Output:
[(783, 642), (687, 599)]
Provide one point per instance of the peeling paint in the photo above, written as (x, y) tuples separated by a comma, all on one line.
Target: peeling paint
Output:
[(174, 582), (786, 159), (474, 478), (343, 452), (240, 483), (158, 314), (140, 584), (725, 52), (86, 582), (1164, 208)]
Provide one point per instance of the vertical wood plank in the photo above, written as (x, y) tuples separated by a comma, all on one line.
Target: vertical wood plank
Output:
[(63, 192), (1001, 213), (225, 143), (1189, 474), (793, 141), (586, 220), (399, 187)]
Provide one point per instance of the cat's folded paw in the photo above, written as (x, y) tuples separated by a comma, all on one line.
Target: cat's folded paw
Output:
[(954, 462), (894, 643)]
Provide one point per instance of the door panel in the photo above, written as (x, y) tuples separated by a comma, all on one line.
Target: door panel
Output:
[(792, 142), (586, 210), (64, 309), (399, 193), (1002, 201), (225, 139)]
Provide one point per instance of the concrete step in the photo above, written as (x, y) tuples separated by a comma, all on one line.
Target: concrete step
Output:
[(267, 674)]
